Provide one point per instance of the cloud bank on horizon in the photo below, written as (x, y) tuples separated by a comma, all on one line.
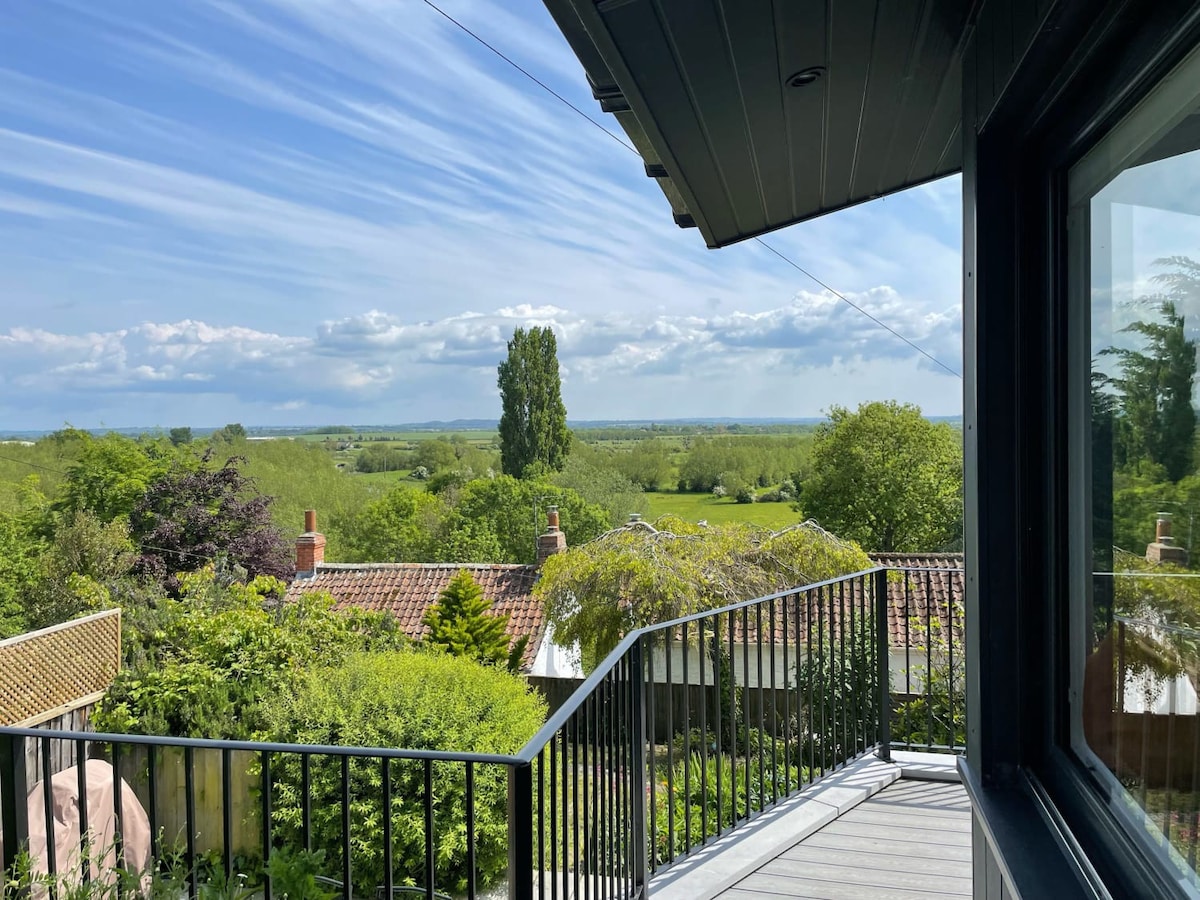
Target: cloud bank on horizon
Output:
[(280, 211)]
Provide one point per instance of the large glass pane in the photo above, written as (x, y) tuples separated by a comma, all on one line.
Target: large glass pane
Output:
[(1134, 231)]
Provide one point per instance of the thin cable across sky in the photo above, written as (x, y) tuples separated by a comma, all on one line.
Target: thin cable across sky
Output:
[(795, 265)]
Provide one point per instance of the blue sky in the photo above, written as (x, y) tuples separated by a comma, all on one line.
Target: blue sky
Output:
[(301, 211)]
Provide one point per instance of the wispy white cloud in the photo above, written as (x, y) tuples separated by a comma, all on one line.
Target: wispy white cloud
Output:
[(279, 164)]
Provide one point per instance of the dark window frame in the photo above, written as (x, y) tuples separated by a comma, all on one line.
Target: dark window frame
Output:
[(1038, 804)]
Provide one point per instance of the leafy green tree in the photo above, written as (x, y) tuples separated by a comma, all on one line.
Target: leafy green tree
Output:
[(603, 485), (86, 567), (648, 464), (504, 507), (180, 436), (533, 420), (461, 623), (234, 431), (20, 549), (1157, 421), (637, 576), (401, 526), (887, 478), (110, 475)]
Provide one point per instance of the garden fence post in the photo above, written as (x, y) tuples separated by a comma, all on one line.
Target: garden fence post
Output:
[(520, 832), (882, 673), (14, 809), (637, 737)]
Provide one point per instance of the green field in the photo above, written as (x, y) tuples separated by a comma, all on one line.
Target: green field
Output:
[(718, 510)]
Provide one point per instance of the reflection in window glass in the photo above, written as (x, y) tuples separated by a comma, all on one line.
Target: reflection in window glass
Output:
[(1135, 228)]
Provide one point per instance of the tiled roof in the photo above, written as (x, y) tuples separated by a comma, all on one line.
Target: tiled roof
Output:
[(922, 587), (407, 590), (931, 585)]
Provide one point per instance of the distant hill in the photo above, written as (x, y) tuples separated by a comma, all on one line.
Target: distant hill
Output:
[(453, 425)]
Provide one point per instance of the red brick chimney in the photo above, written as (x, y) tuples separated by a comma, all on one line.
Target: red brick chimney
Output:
[(553, 540), (310, 547), (1164, 548)]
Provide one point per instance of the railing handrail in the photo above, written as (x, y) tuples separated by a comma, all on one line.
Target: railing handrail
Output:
[(579, 696), (156, 740), (525, 756)]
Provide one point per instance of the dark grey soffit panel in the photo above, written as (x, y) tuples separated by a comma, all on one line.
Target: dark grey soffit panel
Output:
[(706, 92)]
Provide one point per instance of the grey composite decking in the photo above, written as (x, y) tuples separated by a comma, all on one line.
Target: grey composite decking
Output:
[(912, 840)]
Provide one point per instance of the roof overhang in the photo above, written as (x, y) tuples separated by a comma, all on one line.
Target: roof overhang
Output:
[(754, 114)]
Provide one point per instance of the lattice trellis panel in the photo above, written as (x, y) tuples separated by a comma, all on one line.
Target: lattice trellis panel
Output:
[(57, 666)]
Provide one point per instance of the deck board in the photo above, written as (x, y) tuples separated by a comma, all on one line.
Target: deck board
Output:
[(912, 840)]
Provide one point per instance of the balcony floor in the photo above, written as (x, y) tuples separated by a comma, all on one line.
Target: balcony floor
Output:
[(912, 840), (898, 830)]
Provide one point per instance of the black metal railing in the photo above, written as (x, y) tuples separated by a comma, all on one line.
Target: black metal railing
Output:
[(685, 732)]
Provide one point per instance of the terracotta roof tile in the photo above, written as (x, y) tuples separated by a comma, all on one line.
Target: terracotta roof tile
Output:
[(927, 586), (407, 590)]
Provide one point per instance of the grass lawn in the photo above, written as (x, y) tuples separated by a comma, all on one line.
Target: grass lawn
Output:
[(718, 510)]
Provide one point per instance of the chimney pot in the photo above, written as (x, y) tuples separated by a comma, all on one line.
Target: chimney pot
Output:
[(553, 541), (1164, 548), (310, 547)]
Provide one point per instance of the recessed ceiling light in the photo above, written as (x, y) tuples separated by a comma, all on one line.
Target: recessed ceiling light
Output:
[(805, 77)]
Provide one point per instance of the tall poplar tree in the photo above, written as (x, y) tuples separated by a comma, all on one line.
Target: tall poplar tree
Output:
[(533, 422)]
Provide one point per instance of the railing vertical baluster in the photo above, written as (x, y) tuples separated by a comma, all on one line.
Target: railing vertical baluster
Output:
[(520, 830), (472, 887), (652, 758), (594, 845), (803, 728), (687, 741), (118, 809), (825, 664), (578, 811), (638, 836), (48, 814), (347, 868), (265, 807), (14, 810), (881, 660), (430, 873), (847, 748), (189, 817), (929, 614), (907, 657), (950, 610), (567, 811), (227, 811), (669, 651), (718, 733), (85, 863), (553, 817), (733, 717), (810, 616), (758, 668), (861, 703), (385, 777), (541, 823), (787, 700), (702, 657), (745, 696), (540, 831), (152, 779), (774, 708), (610, 784), (306, 801)]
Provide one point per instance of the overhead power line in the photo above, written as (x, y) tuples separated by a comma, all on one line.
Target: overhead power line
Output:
[(795, 265)]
